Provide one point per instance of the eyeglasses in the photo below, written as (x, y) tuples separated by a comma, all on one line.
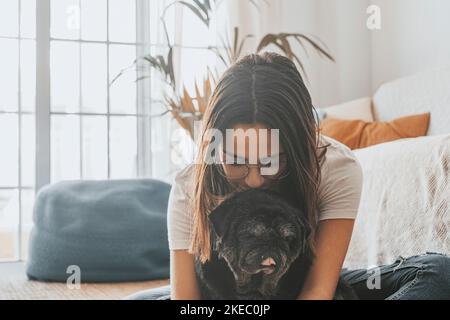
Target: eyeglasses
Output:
[(237, 171)]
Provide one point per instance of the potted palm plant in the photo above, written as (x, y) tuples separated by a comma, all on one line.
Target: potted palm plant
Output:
[(186, 107)]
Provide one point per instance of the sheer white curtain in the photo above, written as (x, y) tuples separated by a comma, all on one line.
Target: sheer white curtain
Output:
[(341, 25), (257, 18)]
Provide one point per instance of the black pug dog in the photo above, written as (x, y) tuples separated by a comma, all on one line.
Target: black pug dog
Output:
[(259, 250)]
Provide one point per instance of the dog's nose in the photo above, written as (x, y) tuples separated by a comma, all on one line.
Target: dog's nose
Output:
[(268, 262)]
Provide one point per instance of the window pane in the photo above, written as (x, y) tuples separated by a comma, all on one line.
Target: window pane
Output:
[(65, 148), (9, 157), (194, 64), (65, 76), (195, 32), (9, 18), (93, 20), (157, 35), (122, 20), (157, 83), (27, 219), (123, 147), (28, 143), (9, 221), (28, 75), (95, 147), (156, 30), (28, 18), (65, 19), (9, 74), (94, 78), (162, 133), (123, 90)]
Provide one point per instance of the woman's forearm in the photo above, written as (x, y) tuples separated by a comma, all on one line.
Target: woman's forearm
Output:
[(331, 244), (315, 294)]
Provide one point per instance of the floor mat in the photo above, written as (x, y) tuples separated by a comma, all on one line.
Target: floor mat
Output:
[(14, 285)]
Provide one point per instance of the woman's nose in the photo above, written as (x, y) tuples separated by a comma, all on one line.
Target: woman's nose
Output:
[(254, 178)]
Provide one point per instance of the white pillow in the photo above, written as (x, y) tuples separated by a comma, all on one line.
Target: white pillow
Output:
[(360, 109), (424, 92)]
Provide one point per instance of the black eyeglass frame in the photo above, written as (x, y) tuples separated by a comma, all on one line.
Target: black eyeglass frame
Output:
[(275, 177)]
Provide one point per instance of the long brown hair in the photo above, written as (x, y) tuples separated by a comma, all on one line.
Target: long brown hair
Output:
[(268, 89)]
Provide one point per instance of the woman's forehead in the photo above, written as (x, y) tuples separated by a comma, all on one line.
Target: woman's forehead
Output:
[(244, 140)]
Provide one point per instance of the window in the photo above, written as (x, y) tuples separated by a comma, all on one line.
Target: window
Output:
[(93, 126), (85, 127), (17, 133)]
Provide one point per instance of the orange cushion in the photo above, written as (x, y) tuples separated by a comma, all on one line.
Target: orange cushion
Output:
[(358, 134)]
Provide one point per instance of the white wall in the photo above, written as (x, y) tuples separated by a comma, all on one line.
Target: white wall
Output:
[(413, 37), (342, 26), (333, 22)]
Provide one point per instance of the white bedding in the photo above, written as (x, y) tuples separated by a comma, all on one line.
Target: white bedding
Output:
[(405, 204)]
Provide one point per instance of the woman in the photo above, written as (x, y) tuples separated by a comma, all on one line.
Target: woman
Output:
[(315, 173)]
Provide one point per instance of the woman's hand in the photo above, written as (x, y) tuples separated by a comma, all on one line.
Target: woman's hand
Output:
[(332, 241)]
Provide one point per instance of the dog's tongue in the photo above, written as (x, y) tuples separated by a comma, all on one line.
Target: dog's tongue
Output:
[(269, 262), (268, 265)]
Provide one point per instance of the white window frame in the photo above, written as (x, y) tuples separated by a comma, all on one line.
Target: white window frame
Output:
[(43, 112), (43, 103), (42, 107)]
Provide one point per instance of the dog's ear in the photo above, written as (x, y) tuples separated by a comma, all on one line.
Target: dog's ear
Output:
[(220, 217)]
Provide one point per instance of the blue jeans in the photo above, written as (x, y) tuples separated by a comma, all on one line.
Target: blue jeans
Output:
[(420, 277)]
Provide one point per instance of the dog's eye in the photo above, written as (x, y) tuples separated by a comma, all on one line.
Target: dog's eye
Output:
[(254, 230), (287, 232), (257, 229)]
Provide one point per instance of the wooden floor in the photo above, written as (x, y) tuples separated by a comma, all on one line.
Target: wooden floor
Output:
[(14, 285)]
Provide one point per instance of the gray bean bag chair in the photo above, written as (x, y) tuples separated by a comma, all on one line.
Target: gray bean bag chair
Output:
[(113, 231)]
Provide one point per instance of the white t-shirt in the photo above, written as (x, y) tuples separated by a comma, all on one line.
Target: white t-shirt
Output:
[(339, 193)]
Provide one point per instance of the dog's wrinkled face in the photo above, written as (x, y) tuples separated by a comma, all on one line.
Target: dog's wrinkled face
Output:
[(257, 232)]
